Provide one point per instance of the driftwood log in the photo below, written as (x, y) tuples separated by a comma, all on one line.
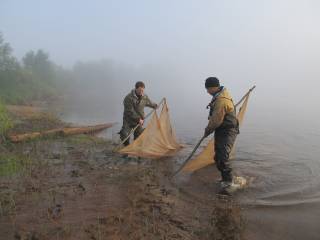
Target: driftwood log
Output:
[(60, 132)]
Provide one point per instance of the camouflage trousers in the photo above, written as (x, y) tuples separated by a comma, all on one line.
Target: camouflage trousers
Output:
[(125, 131)]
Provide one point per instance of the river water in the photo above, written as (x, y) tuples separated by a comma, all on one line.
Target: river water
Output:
[(284, 198)]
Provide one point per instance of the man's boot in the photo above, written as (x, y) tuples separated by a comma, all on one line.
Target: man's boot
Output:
[(236, 184)]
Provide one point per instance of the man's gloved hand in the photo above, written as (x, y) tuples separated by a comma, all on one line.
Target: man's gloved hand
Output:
[(155, 106), (207, 132)]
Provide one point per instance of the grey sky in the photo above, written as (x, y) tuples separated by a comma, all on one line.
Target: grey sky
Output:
[(271, 43), (143, 31)]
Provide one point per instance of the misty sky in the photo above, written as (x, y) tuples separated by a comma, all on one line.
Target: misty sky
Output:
[(271, 43)]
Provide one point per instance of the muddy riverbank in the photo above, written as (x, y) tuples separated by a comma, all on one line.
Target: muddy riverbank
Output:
[(77, 188)]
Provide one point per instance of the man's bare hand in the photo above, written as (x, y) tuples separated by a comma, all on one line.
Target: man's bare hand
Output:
[(141, 121)]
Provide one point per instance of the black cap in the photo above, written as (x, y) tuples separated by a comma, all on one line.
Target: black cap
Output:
[(212, 82)]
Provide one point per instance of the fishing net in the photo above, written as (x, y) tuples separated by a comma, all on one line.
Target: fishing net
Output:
[(206, 157), (157, 140)]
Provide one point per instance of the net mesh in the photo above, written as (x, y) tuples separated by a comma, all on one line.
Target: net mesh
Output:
[(157, 140)]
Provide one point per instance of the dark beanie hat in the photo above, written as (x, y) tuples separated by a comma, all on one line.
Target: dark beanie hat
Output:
[(212, 82), (140, 84)]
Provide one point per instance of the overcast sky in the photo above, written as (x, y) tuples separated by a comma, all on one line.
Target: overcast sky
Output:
[(146, 31), (271, 43)]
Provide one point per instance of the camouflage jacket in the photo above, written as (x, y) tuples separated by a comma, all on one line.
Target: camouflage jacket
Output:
[(134, 107)]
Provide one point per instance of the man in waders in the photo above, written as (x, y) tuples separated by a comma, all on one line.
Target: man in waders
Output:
[(222, 121), (134, 104)]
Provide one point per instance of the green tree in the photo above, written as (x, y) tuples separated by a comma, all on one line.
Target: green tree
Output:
[(33, 80), (39, 65), (7, 61), (9, 70)]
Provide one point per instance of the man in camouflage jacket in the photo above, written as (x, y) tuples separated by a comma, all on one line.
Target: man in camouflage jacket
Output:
[(134, 104)]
